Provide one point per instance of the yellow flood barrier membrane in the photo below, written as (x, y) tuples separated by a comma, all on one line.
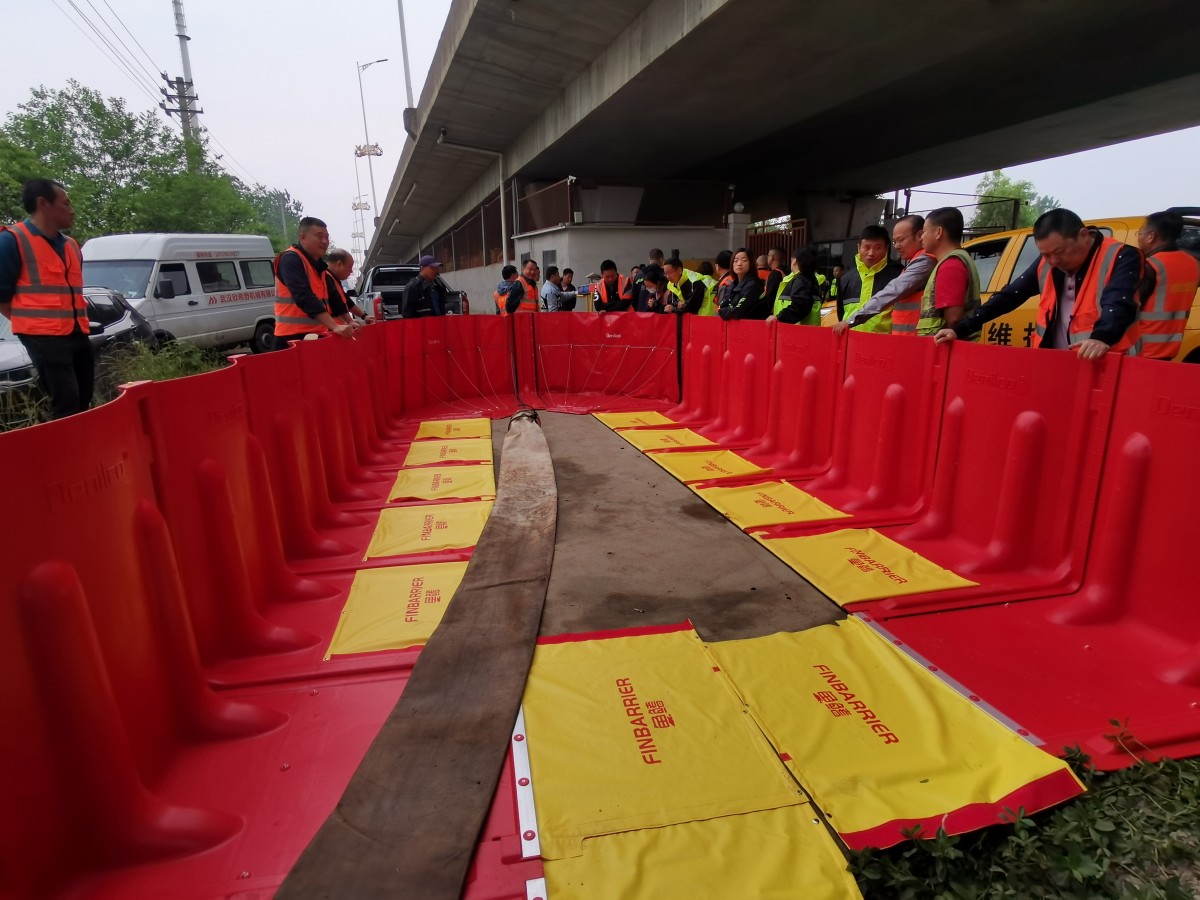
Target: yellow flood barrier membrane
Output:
[(665, 438), (766, 504), (619, 420), (703, 465), (444, 483), (428, 529), (857, 564), (774, 853), (395, 608), (632, 730), (444, 429), (880, 743), (428, 453)]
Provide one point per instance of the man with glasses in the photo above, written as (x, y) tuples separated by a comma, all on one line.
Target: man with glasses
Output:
[(903, 293)]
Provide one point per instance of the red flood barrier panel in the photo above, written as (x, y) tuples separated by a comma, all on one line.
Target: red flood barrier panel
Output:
[(588, 362), (703, 351), (802, 401), (119, 760), (455, 366), (332, 373), (255, 619), (1014, 488), (745, 383), (1126, 645), (885, 433), (308, 487)]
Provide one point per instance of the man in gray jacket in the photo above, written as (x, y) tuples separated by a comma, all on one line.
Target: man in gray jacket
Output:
[(918, 266)]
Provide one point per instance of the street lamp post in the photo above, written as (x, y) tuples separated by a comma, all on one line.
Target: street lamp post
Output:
[(362, 67)]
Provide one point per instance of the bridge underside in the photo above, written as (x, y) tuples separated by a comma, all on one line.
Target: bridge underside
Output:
[(778, 99)]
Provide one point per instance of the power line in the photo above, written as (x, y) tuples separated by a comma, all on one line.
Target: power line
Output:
[(232, 158), (157, 67), (131, 56), (116, 53), (113, 56), (123, 69), (148, 86)]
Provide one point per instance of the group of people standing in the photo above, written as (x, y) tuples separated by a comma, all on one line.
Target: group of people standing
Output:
[(1096, 294)]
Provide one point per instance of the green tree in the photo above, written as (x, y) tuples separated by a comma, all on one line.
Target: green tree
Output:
[(996, 185), (129, 171), (16, 166)]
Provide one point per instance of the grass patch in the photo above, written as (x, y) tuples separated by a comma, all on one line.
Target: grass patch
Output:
[(120, 365), (1134, 835), (137, 362), (22, 408)]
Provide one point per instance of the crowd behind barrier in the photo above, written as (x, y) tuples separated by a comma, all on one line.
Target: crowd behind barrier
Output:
[(183, 555)]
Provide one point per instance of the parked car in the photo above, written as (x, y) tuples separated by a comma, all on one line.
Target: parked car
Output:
[(16, 369), (1001, 257), (383, 289), (112, 323)]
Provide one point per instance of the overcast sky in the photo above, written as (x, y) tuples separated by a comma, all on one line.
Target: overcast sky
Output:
[(278, 86)]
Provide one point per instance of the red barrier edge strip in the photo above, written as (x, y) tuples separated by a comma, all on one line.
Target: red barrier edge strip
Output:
[(1043, 793), (685, 625)]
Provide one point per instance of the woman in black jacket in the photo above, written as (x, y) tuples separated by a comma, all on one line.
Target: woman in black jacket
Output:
[(746, 300)]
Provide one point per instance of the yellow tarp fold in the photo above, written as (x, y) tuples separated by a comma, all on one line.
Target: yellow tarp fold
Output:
[(702, 465), (769, 503), (444, 483), (783, 853), (857, 564), (879, 742), (638, 732), (618, 420), (445, 429), (395, 608), (665, 438), (428, 529), (428, 453)]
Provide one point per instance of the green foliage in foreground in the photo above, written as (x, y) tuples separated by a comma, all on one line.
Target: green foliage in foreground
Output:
[(1135, 834), (137, 362)]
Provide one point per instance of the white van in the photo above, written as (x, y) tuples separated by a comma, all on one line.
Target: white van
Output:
[(213, 290)]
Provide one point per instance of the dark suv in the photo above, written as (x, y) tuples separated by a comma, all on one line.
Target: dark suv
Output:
[(384, 288)]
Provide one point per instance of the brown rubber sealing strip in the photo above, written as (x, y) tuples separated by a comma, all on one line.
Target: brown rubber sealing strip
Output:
[(409, 819)]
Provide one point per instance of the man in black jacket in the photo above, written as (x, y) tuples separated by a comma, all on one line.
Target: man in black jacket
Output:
[(423, 295), (1069, 250), (872, 271)]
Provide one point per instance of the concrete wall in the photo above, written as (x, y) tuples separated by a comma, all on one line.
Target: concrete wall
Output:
[(583, 247)]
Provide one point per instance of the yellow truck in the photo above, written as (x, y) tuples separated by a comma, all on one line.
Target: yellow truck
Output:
[(1001, 257)]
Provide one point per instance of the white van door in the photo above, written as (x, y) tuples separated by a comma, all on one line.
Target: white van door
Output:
[(186, 314)]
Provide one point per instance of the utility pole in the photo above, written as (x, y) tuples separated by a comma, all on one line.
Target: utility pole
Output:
[(183, 95)]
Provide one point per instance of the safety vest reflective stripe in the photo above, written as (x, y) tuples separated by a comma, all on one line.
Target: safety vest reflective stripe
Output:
[(48, 294), (289, 317), (20, 313), (44, 289), (1087, 302), (1164, 317), (906, 311)]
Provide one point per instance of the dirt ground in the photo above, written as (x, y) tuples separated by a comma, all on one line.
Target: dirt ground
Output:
[(635, 547)]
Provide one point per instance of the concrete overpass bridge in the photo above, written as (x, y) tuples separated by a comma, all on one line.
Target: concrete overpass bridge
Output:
[(668, 112)]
